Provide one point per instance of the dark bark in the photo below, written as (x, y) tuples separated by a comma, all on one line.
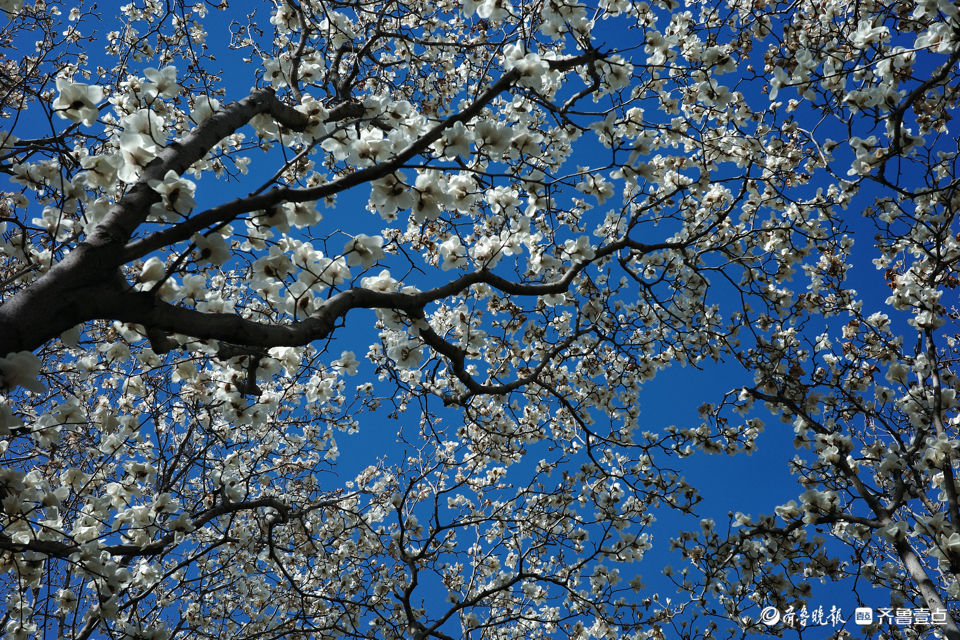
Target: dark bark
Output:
[(87, 284)]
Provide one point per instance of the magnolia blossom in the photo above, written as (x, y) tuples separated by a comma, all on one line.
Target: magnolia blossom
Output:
[(406, 354), (340, 143), (364, 250), (866, 153), (596, 186), (299, 300), (20, 370), (493, 137), (430, 194), (780, 80), (8, 420), (502, 200), (193, 288), (372, 147), (867, 34), (302, 214), (390, 194), (461, 190), (494, 10), (153, 269), (380, 282), (530, 66), (453, 253), (101, 170), (525, 143), (454, 142), (348, 362), (212, 248), (163, 82), (203, 108), (77, 101), (579, 249), (137, 151), (276, 71), (147, 122), (320, 273), (11, 6), (317, 114), (177, 194), (894, 531)]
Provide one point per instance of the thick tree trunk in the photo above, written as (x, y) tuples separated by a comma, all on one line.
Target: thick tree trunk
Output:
[(70, 293)]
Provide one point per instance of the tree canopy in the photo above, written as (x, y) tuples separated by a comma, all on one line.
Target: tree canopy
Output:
[(472, 233)]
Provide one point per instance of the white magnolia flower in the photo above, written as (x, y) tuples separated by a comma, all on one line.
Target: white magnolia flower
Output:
[(333, 272), (311, 70), (146, 122), (162, 82), (493, 137), (526, 143), (407, 355), (430, 193), (461, 189), (364, 250), (153, 270), (339, 143), (389, 195), (867, 34), (203, 108), (137, 151), (317, 116), (274, 218), (531, 67), (7, 140), (20, 370), (302, 214), (453, 254), (194, 288), (67, 600), (502, 200), (177, 194), (780, 79), (788, 511), (213, 249), (11, 6), (471, 621), (348, 362), (299, 300), (371, 148), (455, 141), (78, 102), (580, 249), (594, 185), (380, 282), (487, 252), (494, 10), (286, 17), (893, 531), (8, 420), (101, 171)]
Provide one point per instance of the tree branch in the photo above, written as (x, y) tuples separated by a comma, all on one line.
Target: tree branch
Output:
[(231, 210)]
